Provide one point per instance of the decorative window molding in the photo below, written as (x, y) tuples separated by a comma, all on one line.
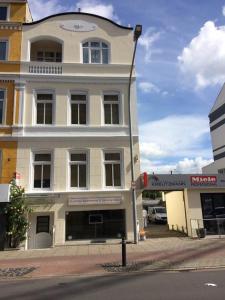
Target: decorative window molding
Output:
[(95, 52)]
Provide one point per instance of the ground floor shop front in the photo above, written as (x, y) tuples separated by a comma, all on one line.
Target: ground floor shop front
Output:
[(71, 219)]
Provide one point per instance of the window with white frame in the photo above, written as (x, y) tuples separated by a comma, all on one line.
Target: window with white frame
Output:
[(3, 50), (111, 109), (112, 162), (4, 12), (42, 170), (78, 109), (95, 52), (44, 108), (78, 170), (49, 56), (221, 171), (2, 105)]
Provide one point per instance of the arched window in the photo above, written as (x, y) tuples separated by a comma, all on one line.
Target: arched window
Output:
[(95, 52)]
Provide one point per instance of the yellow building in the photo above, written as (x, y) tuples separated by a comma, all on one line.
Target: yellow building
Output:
[(12, 15)]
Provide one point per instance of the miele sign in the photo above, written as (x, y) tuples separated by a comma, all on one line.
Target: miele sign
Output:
[(78, 26), (177, 182)]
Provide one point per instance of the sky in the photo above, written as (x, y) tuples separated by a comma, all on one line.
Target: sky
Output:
[(180, 68)]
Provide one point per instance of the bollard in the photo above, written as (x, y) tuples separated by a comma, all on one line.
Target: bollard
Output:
[(124, 252)]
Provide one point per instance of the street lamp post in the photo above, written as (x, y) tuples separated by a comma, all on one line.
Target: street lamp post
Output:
[(137, 34)]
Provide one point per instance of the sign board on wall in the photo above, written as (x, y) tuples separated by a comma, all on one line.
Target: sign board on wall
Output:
[(4, 193), (185, 181), (95, 201)]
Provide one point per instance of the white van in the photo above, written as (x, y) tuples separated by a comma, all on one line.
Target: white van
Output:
[(157, 214)]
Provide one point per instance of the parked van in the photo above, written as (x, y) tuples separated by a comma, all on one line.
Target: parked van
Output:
[(157, 214)]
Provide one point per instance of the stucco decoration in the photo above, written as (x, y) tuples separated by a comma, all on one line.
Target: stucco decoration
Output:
[(78, 26)]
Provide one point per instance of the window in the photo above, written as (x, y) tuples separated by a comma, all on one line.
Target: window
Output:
[(42, 170), (3, 13), (111, 109), (78, 170), (221, 171), (42, 224), (49, 56), (2, 105), (78, 109), (112, 169), (44, 108), (95, 52), (3, 50)]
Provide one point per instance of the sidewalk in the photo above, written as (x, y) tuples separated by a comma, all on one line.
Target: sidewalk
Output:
[(154, 254)]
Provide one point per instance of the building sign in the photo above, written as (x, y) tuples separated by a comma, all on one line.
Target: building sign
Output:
[(78, 26), (176, 182), (95, 201), (4, 193)]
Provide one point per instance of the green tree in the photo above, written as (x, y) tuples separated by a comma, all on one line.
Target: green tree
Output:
[(17, 215)]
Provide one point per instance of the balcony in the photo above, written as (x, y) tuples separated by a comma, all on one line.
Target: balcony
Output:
[(44, 68)]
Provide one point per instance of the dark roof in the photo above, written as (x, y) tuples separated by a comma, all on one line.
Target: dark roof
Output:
[(78, 13)]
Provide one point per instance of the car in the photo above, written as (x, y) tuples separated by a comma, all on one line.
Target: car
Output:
[(157, 214)]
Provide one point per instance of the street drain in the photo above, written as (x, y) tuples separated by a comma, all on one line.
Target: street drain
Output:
[(15, 272)]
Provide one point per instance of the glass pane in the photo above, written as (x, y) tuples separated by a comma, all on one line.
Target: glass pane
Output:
[(104, 45), (85, 55), (115, 113), (108, 175), (82, 176), (48, 113), (117, 179), (95, 44), (112, 156), (40, 113), (3, 48), (74, 113), (37, 176), (85, 44), (46, 176), (44, 96), (107, 113), (74, 176), (3, 13), (42, 224), (1, 112), (78, 157), (82, 113), (111, 98), (42, 157), (2, 95), (58, 56), (78, 97), (95, 56), (105, 56)]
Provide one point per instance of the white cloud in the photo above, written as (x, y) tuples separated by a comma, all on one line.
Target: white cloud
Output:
[(43, 8), (147, 41), (148, 87), (204, 58), (175, 136), (98, 8)]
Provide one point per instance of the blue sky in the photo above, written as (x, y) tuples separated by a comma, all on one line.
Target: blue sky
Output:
[(180, 70)]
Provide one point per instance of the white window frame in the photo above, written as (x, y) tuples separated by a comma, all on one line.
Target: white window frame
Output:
[(89, 51), (70, 163), (34, 163), (78, 102), (36, 92), (221, 171), (112, 93), (7, 48), (3, 121), (107, 151), (8, 11)]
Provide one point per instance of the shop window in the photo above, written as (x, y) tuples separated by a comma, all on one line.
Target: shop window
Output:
[(2, 105), (95, 52), (42, 224), (3, 50), (3, 13), (44, 108), (78, 170), (42, 170), (112, 169), (78, 109), (111, 109)]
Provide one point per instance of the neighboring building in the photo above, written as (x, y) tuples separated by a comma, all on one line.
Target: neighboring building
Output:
[(73, 154), (12, 15), (217, 129)]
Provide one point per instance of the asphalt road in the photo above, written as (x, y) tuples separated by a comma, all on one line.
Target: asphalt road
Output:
[(165, 286)]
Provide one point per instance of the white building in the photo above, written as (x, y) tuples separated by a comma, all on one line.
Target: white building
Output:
[(73, 140)]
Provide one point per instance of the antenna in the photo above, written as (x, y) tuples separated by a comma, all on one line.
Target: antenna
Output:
[(79, 9)]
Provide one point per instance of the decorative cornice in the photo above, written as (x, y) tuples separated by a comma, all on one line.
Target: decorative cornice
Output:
[(11, 26)]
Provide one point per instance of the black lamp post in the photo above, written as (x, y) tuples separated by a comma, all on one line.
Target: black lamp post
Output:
[(137, 34)]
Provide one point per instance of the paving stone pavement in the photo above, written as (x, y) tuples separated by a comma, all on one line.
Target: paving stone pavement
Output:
[(153, 254)]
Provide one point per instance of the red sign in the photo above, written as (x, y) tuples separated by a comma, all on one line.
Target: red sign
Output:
[(144, 179), (199, 180)]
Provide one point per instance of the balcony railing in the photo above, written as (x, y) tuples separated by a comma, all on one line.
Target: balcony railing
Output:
[(45, 69)]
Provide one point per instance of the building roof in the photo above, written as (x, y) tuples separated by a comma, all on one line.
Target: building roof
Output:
[(218, 105), (78, 13)]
